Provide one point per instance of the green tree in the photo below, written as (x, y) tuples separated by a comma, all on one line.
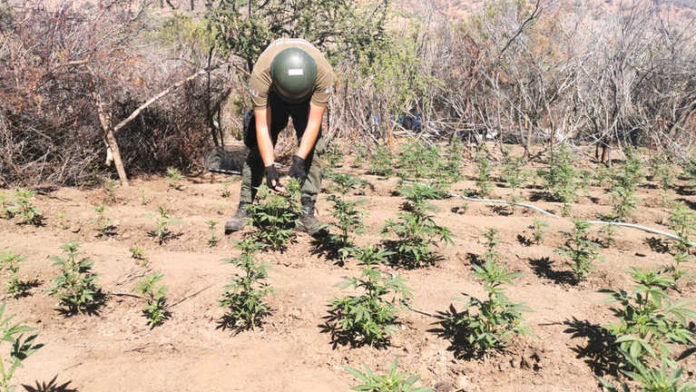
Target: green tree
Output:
[(338, 27)]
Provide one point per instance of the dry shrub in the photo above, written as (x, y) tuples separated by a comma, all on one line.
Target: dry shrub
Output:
[(58, 66)]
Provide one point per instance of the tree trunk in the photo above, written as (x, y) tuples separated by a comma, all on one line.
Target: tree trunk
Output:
[(105, 121)]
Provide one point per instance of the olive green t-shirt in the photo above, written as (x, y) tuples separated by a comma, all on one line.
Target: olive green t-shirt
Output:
[(260, 83)]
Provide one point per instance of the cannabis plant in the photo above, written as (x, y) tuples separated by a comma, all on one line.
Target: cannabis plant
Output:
[(450, 169), (561, 177), (226, 190), (369, 318), (394, 381), (630, 175), (649, 322), (538, 233), (418, 160), (75, 286), (416, 233), (9, 261), (213, 240), (334, 156), (144, 200), (683, 222), (461, 209), (371, 255), (492, 242), (60, 221), (604, 176), (488, 324), (579, 250), (103, 223), (609, 232), (419, 192), (361, 152), (110, 189), (174, 178), (5, 207), (663, 172), (275, 215), (24, 209), (484, 172), (382, 162), (156, 308), (162, 222), (20, 348), (244, 297), (513, 173), (624, 202), (669, 377), (347, 223), (344, 183), (138, 254)]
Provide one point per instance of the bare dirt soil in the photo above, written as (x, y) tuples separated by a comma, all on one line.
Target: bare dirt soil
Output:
[(116, 351)]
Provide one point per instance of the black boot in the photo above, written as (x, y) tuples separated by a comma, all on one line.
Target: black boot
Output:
[(308, 223), (238, 220)]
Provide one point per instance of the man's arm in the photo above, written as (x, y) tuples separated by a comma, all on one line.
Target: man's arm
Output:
[(265, 145), (263, 136), (311, 133)]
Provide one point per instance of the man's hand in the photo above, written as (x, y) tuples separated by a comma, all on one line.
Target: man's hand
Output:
[(298, 170), (272, 179)]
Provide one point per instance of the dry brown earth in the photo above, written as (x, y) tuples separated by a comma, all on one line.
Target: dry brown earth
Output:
[(116, 351)]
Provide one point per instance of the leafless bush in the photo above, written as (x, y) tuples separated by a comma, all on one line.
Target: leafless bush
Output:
[(60, 67), (562, 74)]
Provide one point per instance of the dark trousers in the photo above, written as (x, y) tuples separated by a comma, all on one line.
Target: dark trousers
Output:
[(253, 170)]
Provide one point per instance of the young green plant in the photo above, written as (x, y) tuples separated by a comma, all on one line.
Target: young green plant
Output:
[(538, 233), (75, 286), (668, 377), (609, 232), (579, 250), (144, 200), (174, 178), (683, 222), (110, 189), (226, 193), (155, 311), (347, 223), (10, 262), (650, 323), (416, 232), (24, 209), (484, 172), (382, 162), (394, 381), (20, 348), (244, 296), (334, 156), (368, 318), (344, 183), (488, 324), (213, 240), (561, 178), (163, 220), (275, 215), (103, 223), (138, 254), (514, 174), (5, 206)]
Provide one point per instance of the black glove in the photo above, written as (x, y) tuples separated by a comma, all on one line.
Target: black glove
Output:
[(298, 169), (272, 177)]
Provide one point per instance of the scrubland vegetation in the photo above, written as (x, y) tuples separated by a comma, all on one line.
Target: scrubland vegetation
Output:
[(507, 202)]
